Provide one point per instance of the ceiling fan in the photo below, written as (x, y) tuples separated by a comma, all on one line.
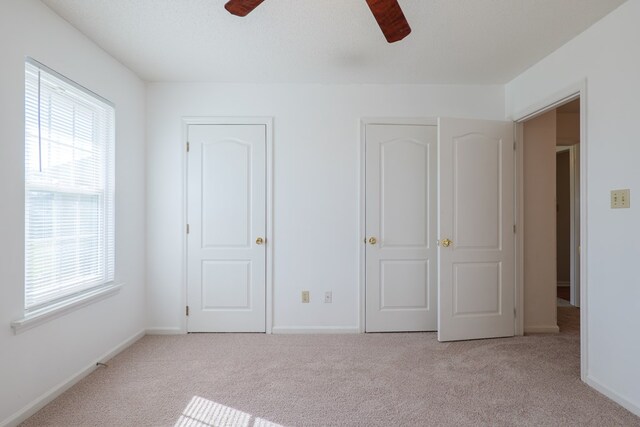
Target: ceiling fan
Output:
[(388, 13)]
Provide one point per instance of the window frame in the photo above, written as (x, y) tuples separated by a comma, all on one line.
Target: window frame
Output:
[(84, 291)]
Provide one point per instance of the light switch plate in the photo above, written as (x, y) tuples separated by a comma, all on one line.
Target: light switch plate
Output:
[(620, 199)]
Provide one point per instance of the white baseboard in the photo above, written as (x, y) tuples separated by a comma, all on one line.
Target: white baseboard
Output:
[(541, 329), (165, 331), (315, 330), (620, 400), (39, 403)]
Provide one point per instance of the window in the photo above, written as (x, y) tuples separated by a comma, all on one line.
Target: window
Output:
[(69, 188)]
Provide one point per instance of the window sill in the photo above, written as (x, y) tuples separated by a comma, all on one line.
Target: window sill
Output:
[(63, 307)]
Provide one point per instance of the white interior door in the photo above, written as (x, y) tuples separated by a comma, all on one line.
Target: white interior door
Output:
[(476, 227), (226, 213), (400, 220)]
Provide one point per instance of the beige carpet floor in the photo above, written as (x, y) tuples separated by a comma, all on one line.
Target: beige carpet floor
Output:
[(402, 379)]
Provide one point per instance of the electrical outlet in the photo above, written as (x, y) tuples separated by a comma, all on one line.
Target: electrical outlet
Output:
[(305, 297), (328, 298), (620, 199)]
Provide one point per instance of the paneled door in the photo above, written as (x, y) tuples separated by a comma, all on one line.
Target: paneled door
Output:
[(226, 216), (400, 225), (476, 230)]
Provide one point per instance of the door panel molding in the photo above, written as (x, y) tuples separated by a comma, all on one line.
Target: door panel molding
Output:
[(237, 120)]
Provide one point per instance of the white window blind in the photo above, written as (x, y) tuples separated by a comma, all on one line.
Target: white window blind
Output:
[(69, 188)]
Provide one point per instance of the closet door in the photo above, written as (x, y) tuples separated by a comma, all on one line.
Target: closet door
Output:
[(226, 213), (476, 294), (400, 224)]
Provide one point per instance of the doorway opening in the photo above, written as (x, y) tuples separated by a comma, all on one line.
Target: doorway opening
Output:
[(551, 169)]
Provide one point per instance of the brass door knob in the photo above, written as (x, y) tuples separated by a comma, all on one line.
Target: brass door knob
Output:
[(259, 241), (373, 240), (446, 243)]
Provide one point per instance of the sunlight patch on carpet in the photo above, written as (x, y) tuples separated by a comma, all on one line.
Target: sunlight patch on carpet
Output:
[(201, 412)]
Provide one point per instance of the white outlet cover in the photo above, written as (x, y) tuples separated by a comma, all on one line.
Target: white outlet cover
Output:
[(328, 297)]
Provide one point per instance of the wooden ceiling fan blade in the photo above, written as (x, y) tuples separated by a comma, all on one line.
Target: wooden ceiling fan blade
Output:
[(390, 18), (241, 7)]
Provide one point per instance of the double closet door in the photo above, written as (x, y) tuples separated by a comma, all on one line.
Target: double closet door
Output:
[(439, 228), (439, 235)]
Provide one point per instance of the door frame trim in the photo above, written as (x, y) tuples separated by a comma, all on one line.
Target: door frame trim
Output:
[(235, 120), (569, 93), (364, 121)]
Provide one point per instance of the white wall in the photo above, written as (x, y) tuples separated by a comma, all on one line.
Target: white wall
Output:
[(540, 224), (39, 359), (316, 185), (607, 56)]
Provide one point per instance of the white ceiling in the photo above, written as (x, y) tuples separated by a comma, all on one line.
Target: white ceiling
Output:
[(330, 41)]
